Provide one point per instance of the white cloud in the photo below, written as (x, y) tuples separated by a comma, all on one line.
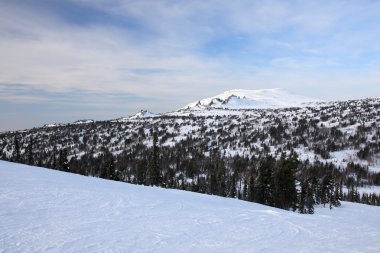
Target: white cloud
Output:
[(41, 50)]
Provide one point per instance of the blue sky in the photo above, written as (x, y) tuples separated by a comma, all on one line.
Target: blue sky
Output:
[(66, 60)]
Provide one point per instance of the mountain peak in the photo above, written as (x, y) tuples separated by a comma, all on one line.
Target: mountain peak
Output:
[(252, 99), (143, 114)]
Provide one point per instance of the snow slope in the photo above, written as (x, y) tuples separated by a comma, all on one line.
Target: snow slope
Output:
[(43, 210), (252, 99)]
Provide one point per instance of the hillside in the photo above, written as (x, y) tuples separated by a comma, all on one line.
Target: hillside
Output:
[(221, 150), (49, 211)]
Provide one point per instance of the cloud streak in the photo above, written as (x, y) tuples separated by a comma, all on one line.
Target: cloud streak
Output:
[(179, 51)]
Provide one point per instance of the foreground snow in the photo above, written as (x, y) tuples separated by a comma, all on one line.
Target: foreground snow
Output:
[(43, 210)]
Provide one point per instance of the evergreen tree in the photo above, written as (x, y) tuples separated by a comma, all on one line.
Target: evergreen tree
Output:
[(245, 190), (107, 170), (154, 176), (336, 195), (54, 159), (221, 178), (232, 190), (141, 167), (315, 189), (340, 196), (16, 157), (309, 198), (309, 202), (302, 198), (30, 152), (264, 182), (212, 180), (63, 163), (285, 183), (4, 156), (251, 188), (327, 189), (110, 165)]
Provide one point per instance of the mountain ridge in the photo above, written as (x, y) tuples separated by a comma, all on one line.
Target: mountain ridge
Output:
[(226, 103), (252, 99), (338, 136)]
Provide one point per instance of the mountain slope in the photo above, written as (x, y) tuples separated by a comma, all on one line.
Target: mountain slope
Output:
[(49, 211), (252, 99)]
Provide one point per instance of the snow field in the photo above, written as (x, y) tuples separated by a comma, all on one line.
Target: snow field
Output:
[(43, 210)]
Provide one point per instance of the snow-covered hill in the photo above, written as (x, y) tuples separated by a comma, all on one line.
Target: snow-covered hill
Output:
[(140, 115), (252, 99), (143, 114), (44, 210)]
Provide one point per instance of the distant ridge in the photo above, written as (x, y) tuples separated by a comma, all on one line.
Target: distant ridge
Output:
[(252, 99)]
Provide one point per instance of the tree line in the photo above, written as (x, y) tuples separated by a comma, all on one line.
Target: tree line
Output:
[(285, 182)]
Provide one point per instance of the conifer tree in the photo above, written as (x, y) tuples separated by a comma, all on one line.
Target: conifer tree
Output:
[(285, 183), (54, 159), (315, 189), (4, 156), (16, 157), (63, 163), (310, 196), (251, 188), (107, 170), (141, 167), (264, 182), (221, 178), (232, 190), (154, 176), (327, 189), (340, 196), (110, 164), (336, 195), (245, 190), (302, 198), (212, 180), (30, 152)]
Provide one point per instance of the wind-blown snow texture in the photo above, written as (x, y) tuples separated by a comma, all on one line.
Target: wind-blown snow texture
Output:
[(44, 210), (252, 99)]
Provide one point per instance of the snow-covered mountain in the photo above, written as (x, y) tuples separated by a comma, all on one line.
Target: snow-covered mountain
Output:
[(252, 99), (343, 134), (140, 115), (77, 122), (225, 104), (84, 121), (143, 114), (50, 211)]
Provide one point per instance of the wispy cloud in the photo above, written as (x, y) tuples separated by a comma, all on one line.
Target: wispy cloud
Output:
[(27, 95), (178, 51), (36, 106)]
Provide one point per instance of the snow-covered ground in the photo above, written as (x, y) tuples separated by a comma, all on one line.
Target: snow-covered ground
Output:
[(44, 210), (369, 189)]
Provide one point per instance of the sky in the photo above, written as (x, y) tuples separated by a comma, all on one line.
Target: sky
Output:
[(65, 60)]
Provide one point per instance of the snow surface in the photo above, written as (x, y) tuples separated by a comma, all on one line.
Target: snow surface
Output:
[(253, 99), (369, 189), (43, 210)]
